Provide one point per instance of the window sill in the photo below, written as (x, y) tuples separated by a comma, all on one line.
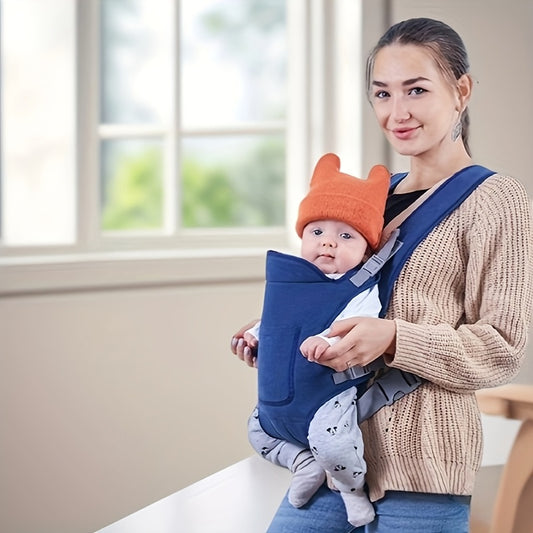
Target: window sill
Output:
[(122, 270)]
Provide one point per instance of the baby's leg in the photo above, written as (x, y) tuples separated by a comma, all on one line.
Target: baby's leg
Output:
[(337, 444), (277, 451), (308, 474)]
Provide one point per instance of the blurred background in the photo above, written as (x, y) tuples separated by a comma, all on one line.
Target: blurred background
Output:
[(151, 151)]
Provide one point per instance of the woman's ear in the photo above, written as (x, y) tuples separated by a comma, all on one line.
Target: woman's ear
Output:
[(464, 90)]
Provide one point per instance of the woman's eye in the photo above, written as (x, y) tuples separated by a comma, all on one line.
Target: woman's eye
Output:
[(345, 236), (417, 90), (381, 94)]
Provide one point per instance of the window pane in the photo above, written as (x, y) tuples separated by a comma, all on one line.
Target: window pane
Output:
[(233, 61), (132, 188), (37, 121), (233, 181), (136, 59)]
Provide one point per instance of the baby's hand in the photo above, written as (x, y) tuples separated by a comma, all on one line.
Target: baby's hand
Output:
[(312, 348)]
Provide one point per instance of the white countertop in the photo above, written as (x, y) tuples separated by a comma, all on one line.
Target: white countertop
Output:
[(220, 503), (243, 497)]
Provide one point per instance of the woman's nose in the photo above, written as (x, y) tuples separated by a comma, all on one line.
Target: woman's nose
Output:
[(400, 111)]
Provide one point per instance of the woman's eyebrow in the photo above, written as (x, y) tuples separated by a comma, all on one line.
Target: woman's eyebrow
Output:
[(412, 81), (405, 83)]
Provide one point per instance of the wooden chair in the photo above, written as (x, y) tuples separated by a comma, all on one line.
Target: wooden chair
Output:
[(513, 511)]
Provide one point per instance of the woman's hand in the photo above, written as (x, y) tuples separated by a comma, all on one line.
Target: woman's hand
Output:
[(363, 339), (244, 350)]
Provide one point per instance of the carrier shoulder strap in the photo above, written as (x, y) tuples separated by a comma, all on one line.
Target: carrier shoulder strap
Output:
[(415, 223), (443, 200)]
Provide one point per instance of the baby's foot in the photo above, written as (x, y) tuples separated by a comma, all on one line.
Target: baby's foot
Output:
[(358, 507), (307, 479)]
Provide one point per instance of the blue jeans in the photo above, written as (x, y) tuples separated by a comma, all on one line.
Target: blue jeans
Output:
[(398, 512)]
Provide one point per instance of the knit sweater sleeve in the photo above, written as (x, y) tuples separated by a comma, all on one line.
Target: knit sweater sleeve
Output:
[(475, 294)]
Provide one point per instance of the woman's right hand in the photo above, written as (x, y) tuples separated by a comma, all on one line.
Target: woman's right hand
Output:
[(245, 351)]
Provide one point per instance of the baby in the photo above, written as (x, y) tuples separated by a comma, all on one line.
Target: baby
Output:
[(306, 418)]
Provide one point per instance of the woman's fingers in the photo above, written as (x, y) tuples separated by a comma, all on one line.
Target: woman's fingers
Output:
[(241, 349), (363, 341)]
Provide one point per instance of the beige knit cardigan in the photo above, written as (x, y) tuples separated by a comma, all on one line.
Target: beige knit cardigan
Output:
[(462, 307)]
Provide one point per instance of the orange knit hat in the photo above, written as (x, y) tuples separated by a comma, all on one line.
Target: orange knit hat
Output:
[(338, 196)]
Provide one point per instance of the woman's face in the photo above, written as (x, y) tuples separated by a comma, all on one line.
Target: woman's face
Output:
[(414, 103)]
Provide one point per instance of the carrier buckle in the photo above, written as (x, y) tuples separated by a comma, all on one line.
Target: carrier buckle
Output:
[(354, 372)]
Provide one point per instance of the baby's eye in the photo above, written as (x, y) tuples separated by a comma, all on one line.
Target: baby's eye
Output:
[(317, 232), (345, 236)]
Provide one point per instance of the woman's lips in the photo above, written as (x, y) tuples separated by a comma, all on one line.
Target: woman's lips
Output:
[(404, 133)]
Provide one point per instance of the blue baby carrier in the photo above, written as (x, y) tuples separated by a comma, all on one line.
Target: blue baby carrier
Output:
[(301, 301)]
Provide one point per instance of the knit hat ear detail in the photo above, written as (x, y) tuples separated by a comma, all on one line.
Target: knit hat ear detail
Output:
[(335, 195)]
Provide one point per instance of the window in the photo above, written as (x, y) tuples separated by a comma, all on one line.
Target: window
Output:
[(203, 127), (186, 131), (37, 122), (168, 125)]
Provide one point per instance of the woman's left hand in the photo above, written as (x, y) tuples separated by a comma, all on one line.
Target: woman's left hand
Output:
[(363, 339)]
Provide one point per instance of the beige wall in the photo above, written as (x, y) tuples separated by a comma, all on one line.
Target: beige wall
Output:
[(497, 35), (113, 399)]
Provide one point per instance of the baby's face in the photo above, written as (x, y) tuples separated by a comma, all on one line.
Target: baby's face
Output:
[(333, 246)]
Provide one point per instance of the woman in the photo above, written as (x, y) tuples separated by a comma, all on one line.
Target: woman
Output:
[(460, 309)]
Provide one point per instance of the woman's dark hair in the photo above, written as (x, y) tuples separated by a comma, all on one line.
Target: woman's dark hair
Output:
[(444, 44)]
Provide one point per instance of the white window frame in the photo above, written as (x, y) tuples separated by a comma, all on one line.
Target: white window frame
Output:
[(324, 114)]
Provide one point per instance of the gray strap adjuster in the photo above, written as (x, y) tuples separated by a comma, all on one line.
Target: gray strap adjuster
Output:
[(354, 372), (371, 267)]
